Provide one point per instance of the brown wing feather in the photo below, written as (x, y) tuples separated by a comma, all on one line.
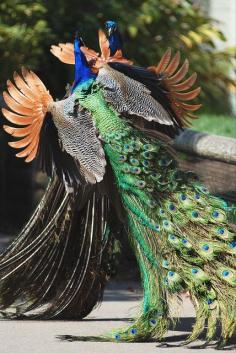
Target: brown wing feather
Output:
[(188, 95), (172, 67), (33, 153), (183, 86), (30, 100), (180, 74), (62, 55), (67, 47), (192, 107), (18, 96), (89, 53), (118, 57), (65, 53), (17, 119), (18, 132), (26, 152), (104, 45), (164, 61), (14, 105), (23, 87), (26, 140), (177, 85)]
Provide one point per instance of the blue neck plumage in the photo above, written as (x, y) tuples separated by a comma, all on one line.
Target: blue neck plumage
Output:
[(83, 72), (115, 42)]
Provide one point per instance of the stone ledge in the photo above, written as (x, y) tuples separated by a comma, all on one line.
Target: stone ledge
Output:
[(207, 146)]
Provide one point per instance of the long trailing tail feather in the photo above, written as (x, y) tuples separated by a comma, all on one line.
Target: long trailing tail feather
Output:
[(56, 267), (180, 235)]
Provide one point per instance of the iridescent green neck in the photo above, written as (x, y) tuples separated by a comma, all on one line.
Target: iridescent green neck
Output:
[(83, 87), (105, 117)]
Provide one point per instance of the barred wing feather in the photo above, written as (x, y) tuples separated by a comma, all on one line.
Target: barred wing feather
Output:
[(78, 136), (130, 97)]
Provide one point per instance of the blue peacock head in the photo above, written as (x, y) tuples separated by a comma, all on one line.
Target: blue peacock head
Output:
[(114, 37), (83, 72), (111, 27)]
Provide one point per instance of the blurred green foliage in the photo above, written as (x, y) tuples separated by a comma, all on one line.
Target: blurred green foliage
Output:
[(223, 125), (28, 28)]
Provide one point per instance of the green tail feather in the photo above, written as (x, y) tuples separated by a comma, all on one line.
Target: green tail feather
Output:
[(180, 236), (179, 232)]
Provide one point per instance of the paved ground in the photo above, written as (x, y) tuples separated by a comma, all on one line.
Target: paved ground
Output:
[(120, 303)]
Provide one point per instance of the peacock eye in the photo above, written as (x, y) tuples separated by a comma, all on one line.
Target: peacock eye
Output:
[(161, 211), (117, 337), (135, 170), (220, 231), (140, 184), (171, 273), (232, 245), (172, 207), (194, 271), (225, 273), (183, 197), (153, 322), (134, 161), (205, 247), (133, 331), (145, 163), (195, 214), (215, 214), (122, 158)]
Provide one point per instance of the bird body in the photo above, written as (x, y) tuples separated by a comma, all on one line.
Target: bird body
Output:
[(166, 211)]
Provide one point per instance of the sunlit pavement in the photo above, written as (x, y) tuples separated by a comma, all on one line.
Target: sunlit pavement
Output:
[(121, 302)]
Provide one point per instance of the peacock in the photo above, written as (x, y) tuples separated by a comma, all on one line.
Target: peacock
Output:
[(60, 261), (99, 129)]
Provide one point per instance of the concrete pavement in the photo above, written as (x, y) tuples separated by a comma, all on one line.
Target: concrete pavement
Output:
[(120, 303)]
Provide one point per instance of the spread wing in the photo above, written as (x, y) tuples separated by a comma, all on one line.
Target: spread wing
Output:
[(78, 136), (130, 97), (28, 100), (38, 136), (52, 158), (65, 53), (178, 86)]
